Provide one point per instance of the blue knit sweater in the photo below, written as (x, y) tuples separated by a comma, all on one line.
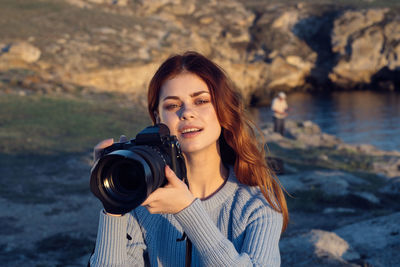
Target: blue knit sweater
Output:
[(234, 227)]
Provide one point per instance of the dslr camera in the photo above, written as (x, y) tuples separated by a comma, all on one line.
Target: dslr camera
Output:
[(126, 173)]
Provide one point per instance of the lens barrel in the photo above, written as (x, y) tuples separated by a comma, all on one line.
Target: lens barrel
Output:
[(123, 179)]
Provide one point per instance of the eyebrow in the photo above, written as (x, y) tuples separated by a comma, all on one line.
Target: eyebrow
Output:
[(192, 95)]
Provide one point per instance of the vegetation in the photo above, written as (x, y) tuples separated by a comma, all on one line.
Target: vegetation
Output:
[(43, 125)]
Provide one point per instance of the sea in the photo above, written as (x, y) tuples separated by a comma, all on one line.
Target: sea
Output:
[(357, 117)]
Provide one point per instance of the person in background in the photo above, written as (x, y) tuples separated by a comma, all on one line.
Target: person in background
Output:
[(232, 208), (279, 107)]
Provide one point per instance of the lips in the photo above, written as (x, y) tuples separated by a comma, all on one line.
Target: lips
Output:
[(190, 130)]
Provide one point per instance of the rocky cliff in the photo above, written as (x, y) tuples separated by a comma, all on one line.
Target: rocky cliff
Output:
[(116, 45)]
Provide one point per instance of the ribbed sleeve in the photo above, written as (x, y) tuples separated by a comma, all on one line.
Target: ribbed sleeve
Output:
[(199, 227), (260, 246), (262, 236), (233, 227), (111, 241)]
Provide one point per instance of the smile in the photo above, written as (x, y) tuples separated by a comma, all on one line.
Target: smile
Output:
[(190, 130)]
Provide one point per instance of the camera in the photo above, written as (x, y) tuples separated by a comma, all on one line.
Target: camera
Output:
[(126, 173)]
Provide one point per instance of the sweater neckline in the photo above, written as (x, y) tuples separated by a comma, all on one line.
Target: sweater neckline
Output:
[(219, 197)]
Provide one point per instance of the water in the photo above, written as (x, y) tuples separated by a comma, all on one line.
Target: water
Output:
[(355, 117)]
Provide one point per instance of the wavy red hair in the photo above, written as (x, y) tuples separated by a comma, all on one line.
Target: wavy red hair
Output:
[(238, 143)]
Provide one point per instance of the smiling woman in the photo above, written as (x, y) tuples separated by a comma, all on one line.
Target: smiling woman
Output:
[(231, 211)]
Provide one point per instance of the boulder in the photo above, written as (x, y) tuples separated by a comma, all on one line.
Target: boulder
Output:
[(376, 239), (317, 248), (390, 167), (392, 187), (366, 42), (309, 134), (331, 183), (19, 51)]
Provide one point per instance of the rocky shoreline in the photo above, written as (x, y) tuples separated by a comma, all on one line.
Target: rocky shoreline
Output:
[(344, 199)]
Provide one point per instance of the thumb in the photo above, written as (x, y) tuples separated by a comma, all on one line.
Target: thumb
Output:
[(123, 139), (171, 176), (98, 149)]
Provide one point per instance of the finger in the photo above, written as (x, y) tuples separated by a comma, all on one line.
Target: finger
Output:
[(149, 199), (105, 143), (100, 147), (123, 139), (146, 203)]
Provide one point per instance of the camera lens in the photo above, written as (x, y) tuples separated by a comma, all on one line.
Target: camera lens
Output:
[(125, 178), (128, 176)]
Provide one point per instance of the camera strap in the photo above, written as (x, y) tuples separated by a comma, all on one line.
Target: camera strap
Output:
[(188, 255)]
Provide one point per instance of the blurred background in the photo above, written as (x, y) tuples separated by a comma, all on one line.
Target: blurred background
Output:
[(74, 72)]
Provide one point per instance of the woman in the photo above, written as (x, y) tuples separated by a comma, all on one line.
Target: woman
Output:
[(233, 210)]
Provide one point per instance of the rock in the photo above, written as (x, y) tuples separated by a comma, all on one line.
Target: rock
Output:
[(109, 2), (285, 74), (392, 187), (338, 210), (351, 22), (20, 51), (331, 183), (366, 148), (390, 167), (359, 33), (105, 30), (367, 196), (375, 238), (317, 248), (124, 80), (372, 242), (310, 135), (289, 58)]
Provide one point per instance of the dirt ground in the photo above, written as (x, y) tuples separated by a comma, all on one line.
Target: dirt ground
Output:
[(49, 216)]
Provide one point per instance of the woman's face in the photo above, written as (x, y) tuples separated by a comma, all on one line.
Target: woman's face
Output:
[(185, 107)]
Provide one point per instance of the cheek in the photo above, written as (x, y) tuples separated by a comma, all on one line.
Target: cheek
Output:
[(170, 120), (212, 117)]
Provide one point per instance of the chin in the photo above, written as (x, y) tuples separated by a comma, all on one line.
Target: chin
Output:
[(195, 148)]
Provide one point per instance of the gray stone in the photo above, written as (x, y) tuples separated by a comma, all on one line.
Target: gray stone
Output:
[(316, 248), (338, 210), (390, 167), (20, 51), (358, 33), (367, 196), (370, 236), (392, 187), (333, 183)]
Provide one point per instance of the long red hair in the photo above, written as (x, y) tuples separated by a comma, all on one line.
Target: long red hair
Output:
[(238, 142)]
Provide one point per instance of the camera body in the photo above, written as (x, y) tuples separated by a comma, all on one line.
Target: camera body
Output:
[(126, 173)]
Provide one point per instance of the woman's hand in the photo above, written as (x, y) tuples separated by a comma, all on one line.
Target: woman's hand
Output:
[(172, 198)]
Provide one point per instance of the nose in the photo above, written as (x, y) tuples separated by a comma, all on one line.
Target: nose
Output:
[(186, 112)]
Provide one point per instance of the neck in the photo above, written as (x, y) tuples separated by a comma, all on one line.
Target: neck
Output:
[(205, 173)]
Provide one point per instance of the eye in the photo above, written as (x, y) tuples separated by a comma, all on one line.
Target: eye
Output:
[(202, 101), (171, 106)]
